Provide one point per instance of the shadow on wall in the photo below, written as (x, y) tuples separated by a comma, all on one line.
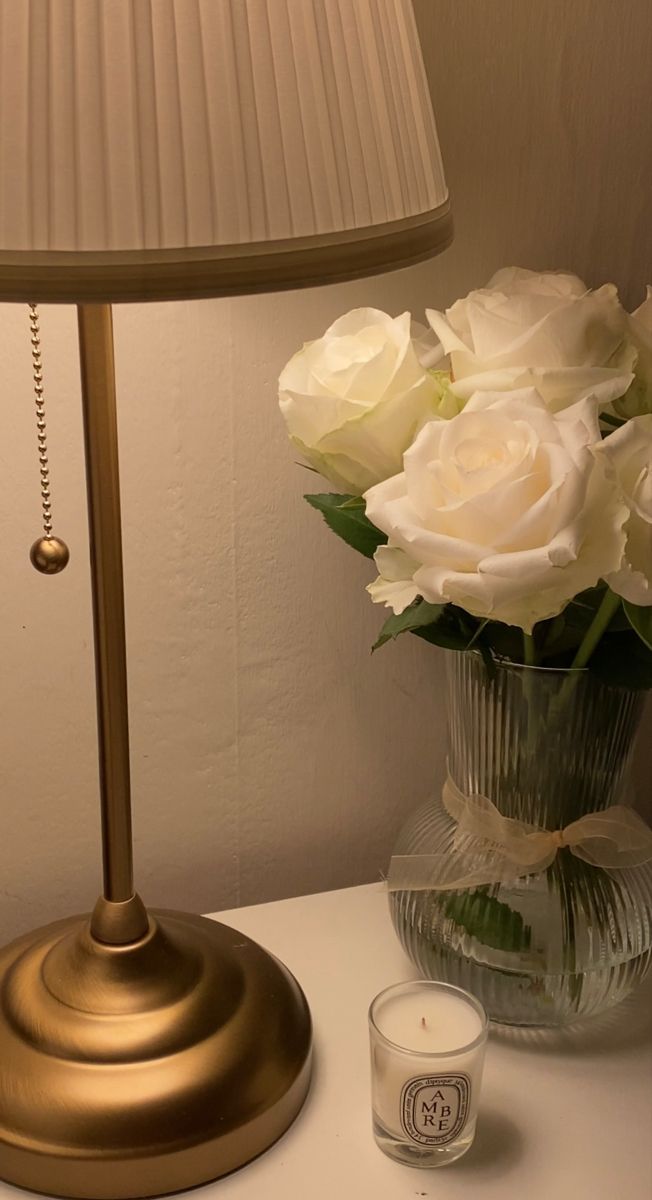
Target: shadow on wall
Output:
[(542, 112)]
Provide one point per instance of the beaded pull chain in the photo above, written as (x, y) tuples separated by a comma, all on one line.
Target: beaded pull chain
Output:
[(48, 554)]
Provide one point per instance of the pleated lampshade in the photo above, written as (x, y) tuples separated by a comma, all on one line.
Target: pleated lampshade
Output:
[(178, 148)]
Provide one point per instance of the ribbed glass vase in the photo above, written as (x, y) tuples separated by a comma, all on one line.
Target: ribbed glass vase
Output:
[(546, 746)]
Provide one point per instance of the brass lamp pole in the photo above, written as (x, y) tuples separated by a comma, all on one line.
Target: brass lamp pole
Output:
[(155, 152), (119, 916)]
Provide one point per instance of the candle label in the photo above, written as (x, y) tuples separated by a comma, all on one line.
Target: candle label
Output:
[(434, 1108)]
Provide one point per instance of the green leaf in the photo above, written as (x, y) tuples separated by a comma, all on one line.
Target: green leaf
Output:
[(440, 624), (489, 920), (640, 619), (444, 632), (506, 641), (582, 609), (566, 632), (477, 633), (560, 640), (410, 620), (622, 660), (354, 502), (346, 516)]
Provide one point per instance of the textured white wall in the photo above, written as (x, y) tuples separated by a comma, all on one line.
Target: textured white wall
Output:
[(272, 754)]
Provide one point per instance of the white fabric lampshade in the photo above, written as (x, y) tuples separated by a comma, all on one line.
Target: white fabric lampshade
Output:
[(153, 148)]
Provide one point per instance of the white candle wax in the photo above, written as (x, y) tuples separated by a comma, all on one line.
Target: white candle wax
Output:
[(424, 1021), (427, 1054)]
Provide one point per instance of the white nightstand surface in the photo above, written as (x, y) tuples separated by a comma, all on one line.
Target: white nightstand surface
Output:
[(564, 1116)]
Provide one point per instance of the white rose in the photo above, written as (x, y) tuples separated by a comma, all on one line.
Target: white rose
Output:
[(395, 586), (629, 451), (544, 331), (638, 399), (505, 511), (354, 399)]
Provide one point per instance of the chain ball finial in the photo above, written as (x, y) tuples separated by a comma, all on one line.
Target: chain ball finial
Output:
[(49, 555)]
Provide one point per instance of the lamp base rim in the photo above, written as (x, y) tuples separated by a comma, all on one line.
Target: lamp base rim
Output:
[(141, 1070)]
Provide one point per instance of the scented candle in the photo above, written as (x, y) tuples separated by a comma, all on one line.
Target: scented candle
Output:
[(427, 1052)]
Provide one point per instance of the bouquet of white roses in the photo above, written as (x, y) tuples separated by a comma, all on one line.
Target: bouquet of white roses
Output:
[(498, 468)]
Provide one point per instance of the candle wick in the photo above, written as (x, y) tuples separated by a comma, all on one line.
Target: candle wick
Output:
[(423, 1023)]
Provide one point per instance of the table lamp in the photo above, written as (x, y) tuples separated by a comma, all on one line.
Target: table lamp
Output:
[(157, 150)]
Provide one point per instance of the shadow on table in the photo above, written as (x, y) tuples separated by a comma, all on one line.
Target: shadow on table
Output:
[(627, 1026), (498, 1145)]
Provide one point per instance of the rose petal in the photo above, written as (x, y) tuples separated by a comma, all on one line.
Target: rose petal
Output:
[(394, 586)]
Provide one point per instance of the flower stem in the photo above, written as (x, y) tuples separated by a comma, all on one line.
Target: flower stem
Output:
[(529, 650), (599, 624)]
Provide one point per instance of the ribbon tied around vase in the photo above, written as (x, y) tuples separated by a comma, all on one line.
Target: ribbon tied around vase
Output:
[(491, 848)]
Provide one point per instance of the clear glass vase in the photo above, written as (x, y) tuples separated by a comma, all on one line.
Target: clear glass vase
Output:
[(546, 746)]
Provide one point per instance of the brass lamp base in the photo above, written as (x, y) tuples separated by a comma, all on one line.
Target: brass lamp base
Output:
[(144, 1068)]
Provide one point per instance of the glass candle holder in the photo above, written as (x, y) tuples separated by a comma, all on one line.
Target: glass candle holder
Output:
[(427, 1052)]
